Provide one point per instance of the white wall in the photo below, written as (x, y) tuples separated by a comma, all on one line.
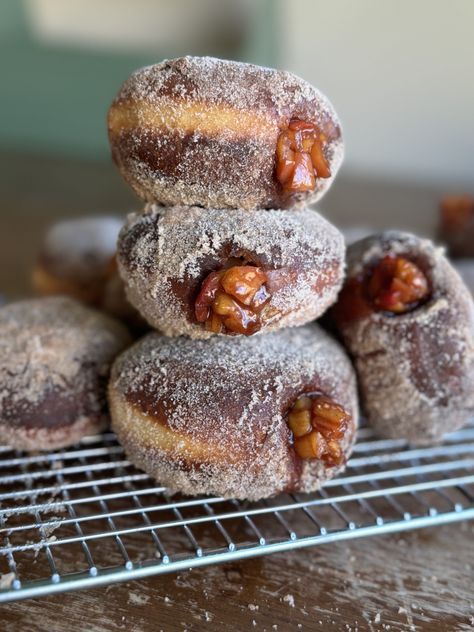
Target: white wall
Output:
[(400, 74)]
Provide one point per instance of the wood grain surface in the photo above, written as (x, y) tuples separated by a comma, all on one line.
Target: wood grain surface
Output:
[(412, 582), (419, 581)]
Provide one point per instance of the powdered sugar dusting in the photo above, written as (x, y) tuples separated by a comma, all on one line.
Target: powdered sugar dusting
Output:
[(224, 404), (165, 254)]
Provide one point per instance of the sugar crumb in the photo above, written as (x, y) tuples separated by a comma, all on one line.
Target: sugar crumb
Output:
[(290, 600)]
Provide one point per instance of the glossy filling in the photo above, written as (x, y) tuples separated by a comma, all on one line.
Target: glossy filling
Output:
[(318, 425), (394, 285), (231, 300), (300, 158)]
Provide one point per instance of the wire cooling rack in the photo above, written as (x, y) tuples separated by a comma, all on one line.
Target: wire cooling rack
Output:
[(85, 516)]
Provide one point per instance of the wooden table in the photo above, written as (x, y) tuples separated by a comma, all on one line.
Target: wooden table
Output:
[(413, 581)]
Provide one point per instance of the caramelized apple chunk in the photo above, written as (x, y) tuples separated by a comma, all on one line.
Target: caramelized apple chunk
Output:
[(300, 158), (231, 300), (318, 425), (396, 285)]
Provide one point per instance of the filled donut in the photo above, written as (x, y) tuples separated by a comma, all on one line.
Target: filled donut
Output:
[(408, 321), (201, 272), (224, 134), (240, 417), (55, 361), (77, 259)]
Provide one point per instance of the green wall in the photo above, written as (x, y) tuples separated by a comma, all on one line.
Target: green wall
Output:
[(55, 100)]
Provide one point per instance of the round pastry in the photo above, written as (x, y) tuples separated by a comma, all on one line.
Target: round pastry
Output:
[(223, 134), (456, 228), (56, 357), (77, 259), (240, 418), (408, 321), (199, 272)]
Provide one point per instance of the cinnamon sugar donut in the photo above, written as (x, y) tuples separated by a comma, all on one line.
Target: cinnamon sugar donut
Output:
[(56, 356), (224, 134), (77, 259), (214, 417), (408, 321), (197, 271)]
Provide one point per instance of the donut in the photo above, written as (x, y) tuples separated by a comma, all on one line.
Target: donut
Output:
[(200, 131), (238, 417), (77, 259), (200, 272), (456, 227), (56, 357), (407, 319)]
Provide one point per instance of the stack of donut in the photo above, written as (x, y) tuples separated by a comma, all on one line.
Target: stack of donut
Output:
[(235, 394)]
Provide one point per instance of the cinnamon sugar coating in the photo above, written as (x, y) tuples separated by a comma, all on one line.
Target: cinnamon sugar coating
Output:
[(56, 356), (210, 417), (203, 131), (81, 248), (165, 254), (415, 370)]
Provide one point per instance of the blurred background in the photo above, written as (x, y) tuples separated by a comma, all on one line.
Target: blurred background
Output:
[(400, 74)]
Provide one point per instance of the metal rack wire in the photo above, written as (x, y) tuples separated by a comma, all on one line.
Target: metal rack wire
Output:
[(85, 516)]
